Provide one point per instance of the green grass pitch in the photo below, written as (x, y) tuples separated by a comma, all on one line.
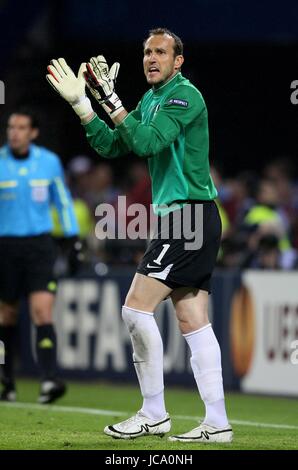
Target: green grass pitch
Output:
[(77, 420)]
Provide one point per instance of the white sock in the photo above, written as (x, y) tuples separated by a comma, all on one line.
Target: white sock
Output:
[(148, 359), (206, 365), (154, 407)]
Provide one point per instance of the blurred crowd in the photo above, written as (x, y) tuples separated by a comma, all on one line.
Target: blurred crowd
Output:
[(259, 213), (93, 186)]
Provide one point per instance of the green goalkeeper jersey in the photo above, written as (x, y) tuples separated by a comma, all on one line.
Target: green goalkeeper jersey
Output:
[(170, 128)]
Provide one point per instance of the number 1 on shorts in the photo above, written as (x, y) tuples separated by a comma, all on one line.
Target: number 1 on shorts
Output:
[(163, 252)]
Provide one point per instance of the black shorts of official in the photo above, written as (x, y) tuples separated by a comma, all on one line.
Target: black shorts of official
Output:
[(177, 260), (26, 266)]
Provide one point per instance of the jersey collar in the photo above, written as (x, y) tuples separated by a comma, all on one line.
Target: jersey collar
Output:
[(160, 90), (31, 152)]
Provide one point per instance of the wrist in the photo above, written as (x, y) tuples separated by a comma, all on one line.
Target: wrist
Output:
[(120, 117), (112, 105), (82, 107)]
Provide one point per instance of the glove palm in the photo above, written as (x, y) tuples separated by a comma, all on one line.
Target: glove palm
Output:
[(71, 88)]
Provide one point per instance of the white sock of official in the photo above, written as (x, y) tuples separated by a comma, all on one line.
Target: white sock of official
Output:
[(148, 359), (206, 365)]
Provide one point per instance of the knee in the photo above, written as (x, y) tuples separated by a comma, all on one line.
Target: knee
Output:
[(134, 301), (130, 317), (41, 316), (125, 312), (135, 320), (137, 301), (8, 314), (191, 322)]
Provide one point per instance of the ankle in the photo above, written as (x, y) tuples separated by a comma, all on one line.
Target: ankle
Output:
[(216, 414), (154, 407)]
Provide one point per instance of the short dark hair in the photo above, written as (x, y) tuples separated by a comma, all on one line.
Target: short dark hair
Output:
[(178, 44), (24, 111)]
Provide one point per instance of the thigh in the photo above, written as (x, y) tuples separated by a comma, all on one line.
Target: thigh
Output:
[(39, 259), (177, 261), (146, 293), (196, 260)]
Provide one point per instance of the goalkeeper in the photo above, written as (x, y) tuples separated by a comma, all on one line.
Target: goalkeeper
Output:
[(169, 127)]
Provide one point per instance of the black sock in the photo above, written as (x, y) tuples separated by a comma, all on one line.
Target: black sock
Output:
[(46, 351), (8, 336)]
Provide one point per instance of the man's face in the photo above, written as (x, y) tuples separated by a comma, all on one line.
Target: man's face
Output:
[(159, 62), (20, 133)]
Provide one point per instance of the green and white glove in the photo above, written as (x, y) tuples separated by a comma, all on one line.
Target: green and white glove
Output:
[(70, 87), (101, 82)]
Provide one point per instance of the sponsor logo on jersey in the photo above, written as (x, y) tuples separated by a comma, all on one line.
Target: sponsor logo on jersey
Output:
[(183, 103)]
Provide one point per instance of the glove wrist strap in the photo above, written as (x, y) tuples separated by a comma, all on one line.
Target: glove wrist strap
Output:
[(82, 107), (112, 105)]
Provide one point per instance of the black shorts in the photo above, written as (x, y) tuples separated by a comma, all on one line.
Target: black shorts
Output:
[(177, 260), (26, 265)]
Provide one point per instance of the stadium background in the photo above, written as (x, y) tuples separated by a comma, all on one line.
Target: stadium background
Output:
[(243, 57)]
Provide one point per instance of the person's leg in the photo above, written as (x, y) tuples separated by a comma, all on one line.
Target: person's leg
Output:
[(142, 299), (41, 308), (192, 312), (138, 314), (10, 293), (40, 286), (8, 322)]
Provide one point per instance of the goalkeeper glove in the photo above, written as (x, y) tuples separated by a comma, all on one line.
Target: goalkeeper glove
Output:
[(70, 87), (101, 82)]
